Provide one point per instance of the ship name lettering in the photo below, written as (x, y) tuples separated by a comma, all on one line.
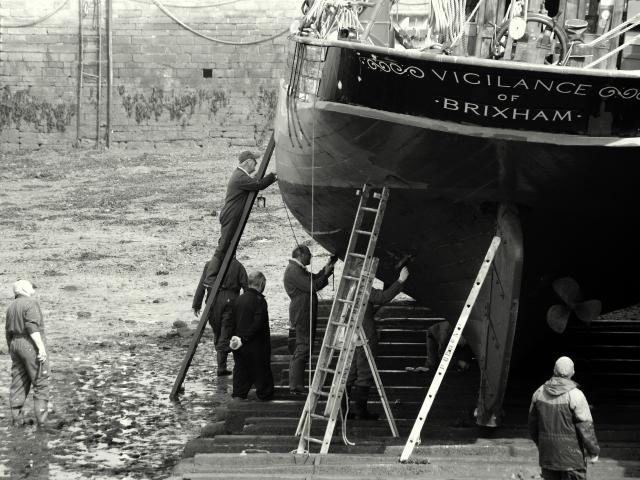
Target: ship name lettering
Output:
[(507, 113), (473, 78)]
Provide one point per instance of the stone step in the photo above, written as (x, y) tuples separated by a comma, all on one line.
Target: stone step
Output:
[(399, 377), (442, 415), (396, 308), (384, 362), (338, 467), (485, 448), (433, 431)]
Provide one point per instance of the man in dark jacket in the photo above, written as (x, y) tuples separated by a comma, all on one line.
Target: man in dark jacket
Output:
[(24, 330), (234, 280), (251, 342), (560, 424), (302, 287), (360, 375), (240, 185)]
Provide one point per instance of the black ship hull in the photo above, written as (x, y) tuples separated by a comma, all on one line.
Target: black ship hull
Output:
[(455, 140)]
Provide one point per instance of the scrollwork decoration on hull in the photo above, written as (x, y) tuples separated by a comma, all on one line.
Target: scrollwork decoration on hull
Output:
[(391, 67), (627, 94)]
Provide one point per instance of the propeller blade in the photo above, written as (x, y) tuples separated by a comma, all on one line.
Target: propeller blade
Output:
[(557, 317), (568, 290), (588, 311)]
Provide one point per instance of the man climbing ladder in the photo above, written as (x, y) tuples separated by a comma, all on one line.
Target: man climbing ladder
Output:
[(249, 195), (240, 186)]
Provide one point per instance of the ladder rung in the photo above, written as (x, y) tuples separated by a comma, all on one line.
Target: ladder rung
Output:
[(90, 75), (337, 324), (318, 417), (357, 255), (364, 232), (313, 440), (328, 370), (321, 393), (369, 209), (349, 277), (344, 300), (335, 347)]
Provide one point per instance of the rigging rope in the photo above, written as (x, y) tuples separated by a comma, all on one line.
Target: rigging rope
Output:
[(210, 5), (38, 20), (212, 39), (286, 210)]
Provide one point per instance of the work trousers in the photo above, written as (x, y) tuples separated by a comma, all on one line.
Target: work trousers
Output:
[(300, 358), (219, 321), (252, 366), (564, 474), (360, 373), (227, 229), (27, 372)]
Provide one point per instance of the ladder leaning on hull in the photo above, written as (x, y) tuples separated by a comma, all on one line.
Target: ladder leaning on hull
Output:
[(344, 327), (414, 436)]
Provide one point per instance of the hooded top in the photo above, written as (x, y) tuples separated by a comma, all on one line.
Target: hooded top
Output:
[(560, 423)]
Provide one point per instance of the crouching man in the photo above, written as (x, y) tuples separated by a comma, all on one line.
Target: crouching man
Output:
[(251, 343), (24, 328), (560, 424)]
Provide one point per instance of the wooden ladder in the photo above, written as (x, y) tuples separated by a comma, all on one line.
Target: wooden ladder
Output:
[(344, 327)]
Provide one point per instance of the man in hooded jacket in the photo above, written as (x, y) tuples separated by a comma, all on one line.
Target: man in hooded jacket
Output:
[(561, 425)]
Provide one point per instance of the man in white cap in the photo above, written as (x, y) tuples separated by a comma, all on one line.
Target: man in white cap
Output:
[(560, 424), (24, 328)]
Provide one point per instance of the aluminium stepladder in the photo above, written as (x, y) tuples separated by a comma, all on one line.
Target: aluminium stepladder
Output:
[(344, 327)]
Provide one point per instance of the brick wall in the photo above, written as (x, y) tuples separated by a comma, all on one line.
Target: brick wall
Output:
[(160, 93)]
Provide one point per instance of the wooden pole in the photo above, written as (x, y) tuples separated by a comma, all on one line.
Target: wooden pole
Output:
[(99, 79), (79, 92), (186, 362), (109, 70)]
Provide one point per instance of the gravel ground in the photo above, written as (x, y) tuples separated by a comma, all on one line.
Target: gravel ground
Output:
[(116, 242)]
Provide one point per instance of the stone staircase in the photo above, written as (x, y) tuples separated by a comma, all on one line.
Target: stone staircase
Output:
[(453, 447)]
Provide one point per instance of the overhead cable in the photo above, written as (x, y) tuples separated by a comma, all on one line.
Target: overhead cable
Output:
[(38, 20), (211, 39)]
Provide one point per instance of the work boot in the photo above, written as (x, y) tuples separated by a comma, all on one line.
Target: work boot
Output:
[(17, 416), (361, 395), (222, 364), (41, 411)]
